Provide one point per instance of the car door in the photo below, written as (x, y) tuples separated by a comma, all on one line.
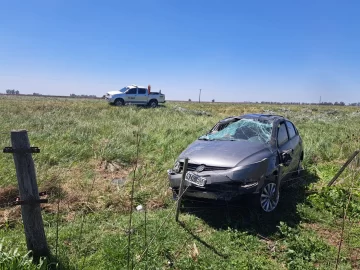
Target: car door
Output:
[(142, 97), (130, 96), (284, 144), (295, 144)]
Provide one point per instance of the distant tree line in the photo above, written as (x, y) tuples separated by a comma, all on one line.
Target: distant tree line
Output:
[(213, 100), (337, 103), (12, 92), (341, 103), (82, 96)]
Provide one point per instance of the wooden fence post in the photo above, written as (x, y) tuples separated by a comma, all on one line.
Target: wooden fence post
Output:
[(343, 168), (181, 189), (29, 194)]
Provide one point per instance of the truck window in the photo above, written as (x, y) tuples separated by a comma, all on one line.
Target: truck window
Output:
[(142, 91), (131, 91)]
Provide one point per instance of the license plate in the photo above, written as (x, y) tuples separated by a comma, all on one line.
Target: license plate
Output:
[(195, 179)]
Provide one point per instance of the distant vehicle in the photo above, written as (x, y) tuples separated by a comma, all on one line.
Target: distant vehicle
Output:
[(241, 155), (134, 94)]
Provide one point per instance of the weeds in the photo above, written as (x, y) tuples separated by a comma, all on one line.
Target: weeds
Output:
[(83, 140), (13, 260)]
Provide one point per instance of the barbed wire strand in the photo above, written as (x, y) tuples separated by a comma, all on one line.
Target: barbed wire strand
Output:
[(162, 224)]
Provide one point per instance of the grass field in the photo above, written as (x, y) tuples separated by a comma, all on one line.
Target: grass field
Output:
[(85, 144)]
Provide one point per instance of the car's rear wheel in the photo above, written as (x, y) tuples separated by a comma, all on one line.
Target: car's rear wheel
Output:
[(153, 103), (268, 198), (119, 102)]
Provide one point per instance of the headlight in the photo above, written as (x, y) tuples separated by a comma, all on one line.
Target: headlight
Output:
[(177, 167)]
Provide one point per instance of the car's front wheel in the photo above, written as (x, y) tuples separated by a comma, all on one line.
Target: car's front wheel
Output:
[(268, 198), (119, 102)]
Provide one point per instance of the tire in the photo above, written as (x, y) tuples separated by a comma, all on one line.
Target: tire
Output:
[(119, 102), (153, 103), (267, 200)]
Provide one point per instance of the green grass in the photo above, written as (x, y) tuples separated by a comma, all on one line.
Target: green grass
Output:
[(80, 138)]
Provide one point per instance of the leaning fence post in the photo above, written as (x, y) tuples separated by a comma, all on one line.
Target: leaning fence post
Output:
[(181, 189), (29, 194), (343, 168)]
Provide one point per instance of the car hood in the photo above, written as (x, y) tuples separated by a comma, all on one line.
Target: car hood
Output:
[(226, 153), (114, 93)]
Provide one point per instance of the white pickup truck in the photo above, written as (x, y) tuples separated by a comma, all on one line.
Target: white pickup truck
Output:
[(134, 94)]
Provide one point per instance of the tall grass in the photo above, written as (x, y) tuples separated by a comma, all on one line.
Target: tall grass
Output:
[(87, 141), (12, 260)]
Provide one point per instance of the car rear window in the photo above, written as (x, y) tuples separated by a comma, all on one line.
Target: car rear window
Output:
[(282, 134), (142, 91), (291, 129)]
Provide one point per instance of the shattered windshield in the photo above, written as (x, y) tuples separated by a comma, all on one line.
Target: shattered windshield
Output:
[(244, 129)]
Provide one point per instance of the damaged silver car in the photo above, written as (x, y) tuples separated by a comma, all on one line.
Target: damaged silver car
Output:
[(241, 155)]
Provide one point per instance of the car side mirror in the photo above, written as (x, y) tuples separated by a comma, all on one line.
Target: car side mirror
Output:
[(286, 157)]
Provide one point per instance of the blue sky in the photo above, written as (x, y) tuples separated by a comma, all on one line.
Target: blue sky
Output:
[(232, 50)]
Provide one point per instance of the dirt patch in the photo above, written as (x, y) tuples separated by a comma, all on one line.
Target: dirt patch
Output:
[(8, 195), (155, 203), (158, 202), (111, 170), (10, 216), (53, 189), (332, 237), (355, 258), (79, 194), (73, 191)]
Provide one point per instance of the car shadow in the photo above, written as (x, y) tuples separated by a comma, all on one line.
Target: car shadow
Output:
[(159, 106), (243, 214)]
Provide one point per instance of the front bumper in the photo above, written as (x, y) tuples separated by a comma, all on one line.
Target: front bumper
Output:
[(218, 186), (110, 99)]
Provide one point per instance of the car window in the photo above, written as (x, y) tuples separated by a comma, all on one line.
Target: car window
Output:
[(291, 129), (142, 91), (282, 134), (131, 91)]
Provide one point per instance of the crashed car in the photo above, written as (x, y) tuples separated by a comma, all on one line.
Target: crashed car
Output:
[(241, 155)]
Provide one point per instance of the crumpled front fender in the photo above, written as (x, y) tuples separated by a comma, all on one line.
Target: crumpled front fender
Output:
[(253, 171)]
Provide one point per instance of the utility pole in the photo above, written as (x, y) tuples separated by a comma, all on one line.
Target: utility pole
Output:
[(199, 95)]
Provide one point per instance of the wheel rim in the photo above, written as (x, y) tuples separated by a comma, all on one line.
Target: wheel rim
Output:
[(153, 104), (118, 103), (267, 199)]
